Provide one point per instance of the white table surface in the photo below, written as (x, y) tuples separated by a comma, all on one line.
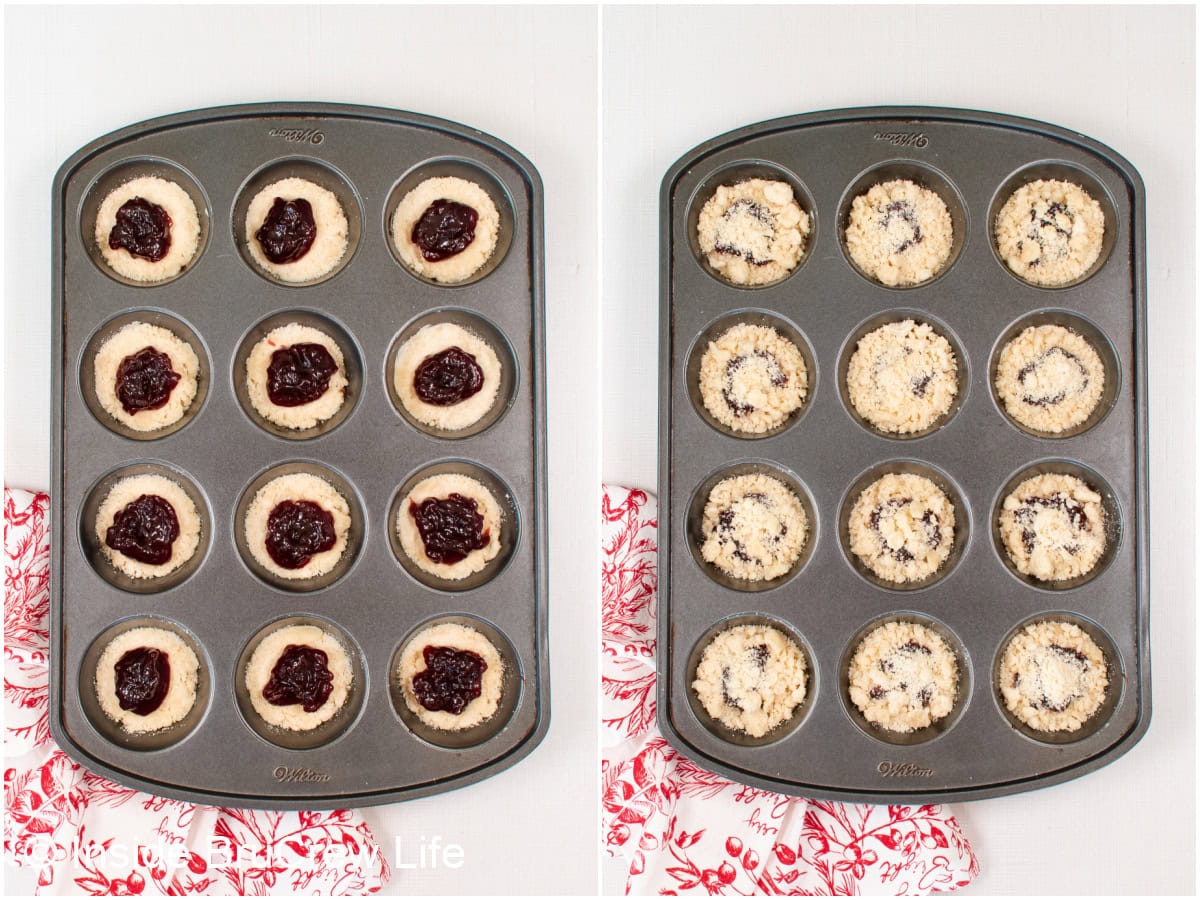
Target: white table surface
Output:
[(527, 76), (676, 76)]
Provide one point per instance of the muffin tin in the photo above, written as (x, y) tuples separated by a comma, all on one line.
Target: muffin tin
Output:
[(373, 751), (977, 600)]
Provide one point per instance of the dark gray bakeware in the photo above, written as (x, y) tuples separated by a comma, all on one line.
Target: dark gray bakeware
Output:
[(373, 751), (974, 160)]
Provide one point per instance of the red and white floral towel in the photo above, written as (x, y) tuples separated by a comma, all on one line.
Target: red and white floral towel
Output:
[(684, 829), (87, 835)]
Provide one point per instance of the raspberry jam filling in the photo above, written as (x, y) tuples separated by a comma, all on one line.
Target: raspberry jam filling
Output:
[(444, 230), (299, 374), (296, 531), (448, 377), (450, 527), (144, 529), (143, 677), (452, 679), (145, 381), (301, 676), (143, 229), (288, 231)]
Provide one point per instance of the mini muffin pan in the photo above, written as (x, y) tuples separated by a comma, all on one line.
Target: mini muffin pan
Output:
[(222, 602), (827, 454)]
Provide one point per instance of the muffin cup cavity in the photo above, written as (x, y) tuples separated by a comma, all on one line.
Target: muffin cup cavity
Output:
[(799, 714), (963, 369), (1056, 170), (127, 170), (161, 319), (932, 731), (1113, 693), (512, 690), (468, 170), (962, 521), (321, 174), (354, 540), (734, 173), (1113, 524), (695, 522), (924, 176), (150, 740), (718, 327), (510, 376), (510, 525), (324, 323), (1090, 333), (90, 544), (325, 733)]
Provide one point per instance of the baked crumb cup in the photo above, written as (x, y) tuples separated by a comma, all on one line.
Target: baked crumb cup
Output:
[(511, 691), (127, 170), (1113, 693), (353, 370), (354, 540), (328, 731), (735, 173), (783, 729), (1113, 527), (933, 731), (962, 521), (321, 174), (510, 525), (923, 175), (471, 321), (718, 327), (695, 523), (150, 316), (850, 345), (1091, 333), (89, 542), (1056, 170), (111, 730), (468, 170)]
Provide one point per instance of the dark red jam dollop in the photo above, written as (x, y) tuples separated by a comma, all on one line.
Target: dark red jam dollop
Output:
[(300, 676), (450, 527), (299, 374), (143, 677), (145, 381), (444, 230), (144, 529), (296, 530), (143, 228), (288, 231), (448, 377), (452, 679)]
